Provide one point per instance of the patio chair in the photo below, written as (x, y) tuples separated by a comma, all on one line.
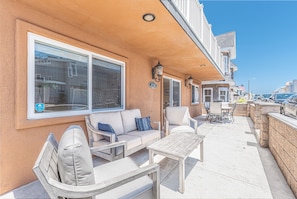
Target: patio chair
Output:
[(231, 113), (206, 107), (178, 119), (66, 170), (215, 111)]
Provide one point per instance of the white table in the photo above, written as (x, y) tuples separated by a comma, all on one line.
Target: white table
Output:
[(177, 146)]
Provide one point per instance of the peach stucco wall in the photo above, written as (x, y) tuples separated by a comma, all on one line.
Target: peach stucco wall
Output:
[(21, 140)]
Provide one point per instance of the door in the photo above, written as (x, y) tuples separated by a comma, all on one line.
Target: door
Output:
[(171, 92)]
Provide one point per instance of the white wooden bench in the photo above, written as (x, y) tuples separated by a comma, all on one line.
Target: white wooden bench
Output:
[(119, 179)]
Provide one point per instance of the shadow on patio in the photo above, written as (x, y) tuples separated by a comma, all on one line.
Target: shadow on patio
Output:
[(234, 166)]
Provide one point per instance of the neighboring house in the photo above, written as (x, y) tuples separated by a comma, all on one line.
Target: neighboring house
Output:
[(62, 60), (223, 90)]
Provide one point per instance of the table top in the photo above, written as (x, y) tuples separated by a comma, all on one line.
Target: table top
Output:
[(179, 144)]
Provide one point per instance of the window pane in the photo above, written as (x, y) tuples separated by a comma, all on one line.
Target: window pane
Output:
[(195, 94), (106, 84), (60, 79), (166, 92), (176, 93)]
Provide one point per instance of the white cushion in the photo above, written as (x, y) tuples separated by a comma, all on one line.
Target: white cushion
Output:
[(132, 141), (74, 158), (146, 136), (177, 115), (128, 118), (129, 190), (112, 118), (181, 129)]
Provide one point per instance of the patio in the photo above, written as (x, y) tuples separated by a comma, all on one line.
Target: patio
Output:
[(234, 167)]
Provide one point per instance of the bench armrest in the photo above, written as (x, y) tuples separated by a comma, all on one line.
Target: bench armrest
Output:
[(159, 124), (92, 130), (194, 124), (110, 146), (70, 191)]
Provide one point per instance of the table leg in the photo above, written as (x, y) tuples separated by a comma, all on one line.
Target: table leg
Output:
[(201, 151), (151, 156), (182, 175)]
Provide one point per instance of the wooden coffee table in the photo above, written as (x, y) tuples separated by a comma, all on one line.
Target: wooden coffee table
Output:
[(177, 146)]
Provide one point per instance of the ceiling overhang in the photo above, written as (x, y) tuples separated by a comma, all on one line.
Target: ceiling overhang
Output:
[(166, 39)]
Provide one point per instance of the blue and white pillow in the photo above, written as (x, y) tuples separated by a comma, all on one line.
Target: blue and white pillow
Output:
[(143, 124), (107, 128)]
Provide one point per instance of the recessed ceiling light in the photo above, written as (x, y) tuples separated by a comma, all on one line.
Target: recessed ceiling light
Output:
[(148, 17)]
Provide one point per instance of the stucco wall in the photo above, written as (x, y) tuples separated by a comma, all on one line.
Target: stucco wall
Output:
[(22, 139), (283, 146)]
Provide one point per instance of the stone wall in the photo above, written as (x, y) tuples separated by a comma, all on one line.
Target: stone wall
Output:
[(241, 110), (258, 113), (252, 112), (283, 146)]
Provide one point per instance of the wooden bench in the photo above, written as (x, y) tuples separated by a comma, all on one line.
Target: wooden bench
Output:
[(114, 178)]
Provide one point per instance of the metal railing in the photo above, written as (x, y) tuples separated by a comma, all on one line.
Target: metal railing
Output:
[(193, 12)]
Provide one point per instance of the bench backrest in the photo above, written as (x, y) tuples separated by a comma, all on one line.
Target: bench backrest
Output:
[(46, 165)]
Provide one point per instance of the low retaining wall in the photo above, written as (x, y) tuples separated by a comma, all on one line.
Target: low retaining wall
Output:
[(283, 146), (258, 113), (241, 110)]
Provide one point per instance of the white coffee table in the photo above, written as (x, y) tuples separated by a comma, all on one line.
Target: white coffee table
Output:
[(177, 146)]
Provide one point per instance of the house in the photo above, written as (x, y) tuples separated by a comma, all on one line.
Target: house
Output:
[(62, 60), (223, 90)]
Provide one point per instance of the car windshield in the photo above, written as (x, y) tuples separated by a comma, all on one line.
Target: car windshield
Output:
[(283, 95), (266, 95)]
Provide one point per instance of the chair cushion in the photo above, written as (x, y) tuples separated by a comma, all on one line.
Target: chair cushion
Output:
[(181, 129), (177, 115), (107, 128), (112, 118), (132, 141), (119, 167), (75, 163), (147, 136), (143, 124), (128, 118)]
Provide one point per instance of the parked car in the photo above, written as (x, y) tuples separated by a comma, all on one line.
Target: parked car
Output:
[(280, 97), (258, 97), (289, 106), (266, 97)]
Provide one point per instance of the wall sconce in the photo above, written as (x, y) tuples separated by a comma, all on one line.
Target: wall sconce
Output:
[(157, 72), (188, 82)]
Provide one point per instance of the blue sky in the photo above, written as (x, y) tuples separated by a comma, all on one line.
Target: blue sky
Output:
[(266, 39)]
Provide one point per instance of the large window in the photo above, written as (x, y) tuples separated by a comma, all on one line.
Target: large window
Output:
[(223, 94), (195, 94), (207, 94), (171, 92), (64, 80)]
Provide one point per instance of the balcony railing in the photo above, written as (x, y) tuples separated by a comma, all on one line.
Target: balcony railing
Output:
[(193, 12)]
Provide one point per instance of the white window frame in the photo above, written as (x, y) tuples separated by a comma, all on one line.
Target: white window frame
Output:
[(225, 89), (211, 95), (171, 80), (196, 92), (32, 38)]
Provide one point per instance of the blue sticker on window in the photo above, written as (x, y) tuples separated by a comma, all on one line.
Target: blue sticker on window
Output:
[(39, 107)]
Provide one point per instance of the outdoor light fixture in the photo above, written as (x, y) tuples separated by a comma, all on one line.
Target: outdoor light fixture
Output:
[(148, 17), (189, 81), (157, 72)]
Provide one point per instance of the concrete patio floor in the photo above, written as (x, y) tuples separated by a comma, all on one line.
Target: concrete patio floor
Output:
[(234, 166)]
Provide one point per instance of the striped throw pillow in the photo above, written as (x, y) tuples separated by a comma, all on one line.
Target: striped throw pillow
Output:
[(143, 124)]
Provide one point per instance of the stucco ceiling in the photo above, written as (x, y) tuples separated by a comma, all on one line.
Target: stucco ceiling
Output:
[(120, 22)]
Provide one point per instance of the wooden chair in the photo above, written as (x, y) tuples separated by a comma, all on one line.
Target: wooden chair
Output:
[(118, 179), (215, 111)]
